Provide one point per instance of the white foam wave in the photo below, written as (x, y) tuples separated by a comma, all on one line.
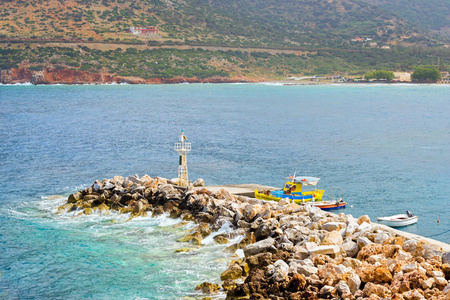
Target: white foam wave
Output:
[(16, 84), (271, 83), (226, 228)]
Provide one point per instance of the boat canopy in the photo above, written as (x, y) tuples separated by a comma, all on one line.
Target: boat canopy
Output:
[(305, 180)]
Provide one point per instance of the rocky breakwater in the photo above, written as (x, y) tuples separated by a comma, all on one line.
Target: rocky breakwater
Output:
[(286, 251)]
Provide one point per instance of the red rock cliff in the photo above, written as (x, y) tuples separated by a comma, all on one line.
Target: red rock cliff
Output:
[(65, 76)]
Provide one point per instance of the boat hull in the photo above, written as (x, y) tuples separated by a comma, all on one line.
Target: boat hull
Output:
[(298, 198), (330, 205), (398, 220)]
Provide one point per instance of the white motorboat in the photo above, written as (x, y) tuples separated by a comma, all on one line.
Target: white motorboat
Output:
[(399, 220)]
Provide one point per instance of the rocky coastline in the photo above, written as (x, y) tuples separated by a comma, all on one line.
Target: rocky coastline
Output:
[(287, 251), (65, 76)]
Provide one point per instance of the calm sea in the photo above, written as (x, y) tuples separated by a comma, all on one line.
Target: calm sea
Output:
[(388, 146)]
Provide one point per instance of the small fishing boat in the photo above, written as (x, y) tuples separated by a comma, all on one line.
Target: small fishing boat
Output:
[(293, 191), (399, 220), (330, 205)]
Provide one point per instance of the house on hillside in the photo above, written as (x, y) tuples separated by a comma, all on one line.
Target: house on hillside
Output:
[(445, 78), (402, 76), (144, 30)]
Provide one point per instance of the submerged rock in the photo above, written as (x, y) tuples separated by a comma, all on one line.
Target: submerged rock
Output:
[(208, 288)]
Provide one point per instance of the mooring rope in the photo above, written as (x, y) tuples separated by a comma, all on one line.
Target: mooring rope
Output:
[(437, 234)]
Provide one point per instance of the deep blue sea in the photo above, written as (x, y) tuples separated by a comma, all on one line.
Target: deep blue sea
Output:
[(388, 146)]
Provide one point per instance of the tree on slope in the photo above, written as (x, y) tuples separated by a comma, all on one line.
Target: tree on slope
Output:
[(426, 73)]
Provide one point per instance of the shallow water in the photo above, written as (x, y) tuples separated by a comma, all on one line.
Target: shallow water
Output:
[(388, 146)]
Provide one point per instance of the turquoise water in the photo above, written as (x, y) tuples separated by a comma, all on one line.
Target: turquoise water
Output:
[(388, 146)]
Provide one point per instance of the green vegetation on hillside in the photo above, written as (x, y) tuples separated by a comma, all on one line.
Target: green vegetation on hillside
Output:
[(430, 14), (289, 23), (168, 63), (426, 73), (380, 74)]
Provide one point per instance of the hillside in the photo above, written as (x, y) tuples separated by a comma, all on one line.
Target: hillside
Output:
[(434, 15), (244, 22), (200, 39)]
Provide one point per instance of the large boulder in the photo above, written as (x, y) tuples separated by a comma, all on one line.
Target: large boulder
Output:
[(354, 282), (208, 288), (199, 182), (267, 245), (351, 248), (73, 198), (328, 249), (379, 290), (250, 212), (332, 238), (278, 271), (362, 219), (446, 258), (331, 226), (233, 272)]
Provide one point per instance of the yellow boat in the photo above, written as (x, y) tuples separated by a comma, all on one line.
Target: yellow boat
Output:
[(293, 190)]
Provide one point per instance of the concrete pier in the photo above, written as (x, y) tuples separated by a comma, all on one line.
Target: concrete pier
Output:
[(240, 189), (249, 191)]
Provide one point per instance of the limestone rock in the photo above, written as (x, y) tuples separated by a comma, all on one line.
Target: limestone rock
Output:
[(412, 295), (409, 268), (304, 267), (331, 226), (363, 241), (440, 281), (382, 274), (428, 284), (208, 288), (446, 290), (199, 182), (300, 252), (250, 212), (351, 228), (431, 250), (233, 272), (354, 282), (73, 198), (267, 245), (364, 218), (379, 290), (328, 249), (446, 258), (280, 271), (381, 237), (342, 288), (410, 245), (402, 255), (328, 292), (332, 238), (351, 248)]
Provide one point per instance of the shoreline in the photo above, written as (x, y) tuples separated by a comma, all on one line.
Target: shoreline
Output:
[(288, 251), (50, 76), (274, 82)]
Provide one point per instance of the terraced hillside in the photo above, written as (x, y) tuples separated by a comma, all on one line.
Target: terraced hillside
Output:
[(234, 22)]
